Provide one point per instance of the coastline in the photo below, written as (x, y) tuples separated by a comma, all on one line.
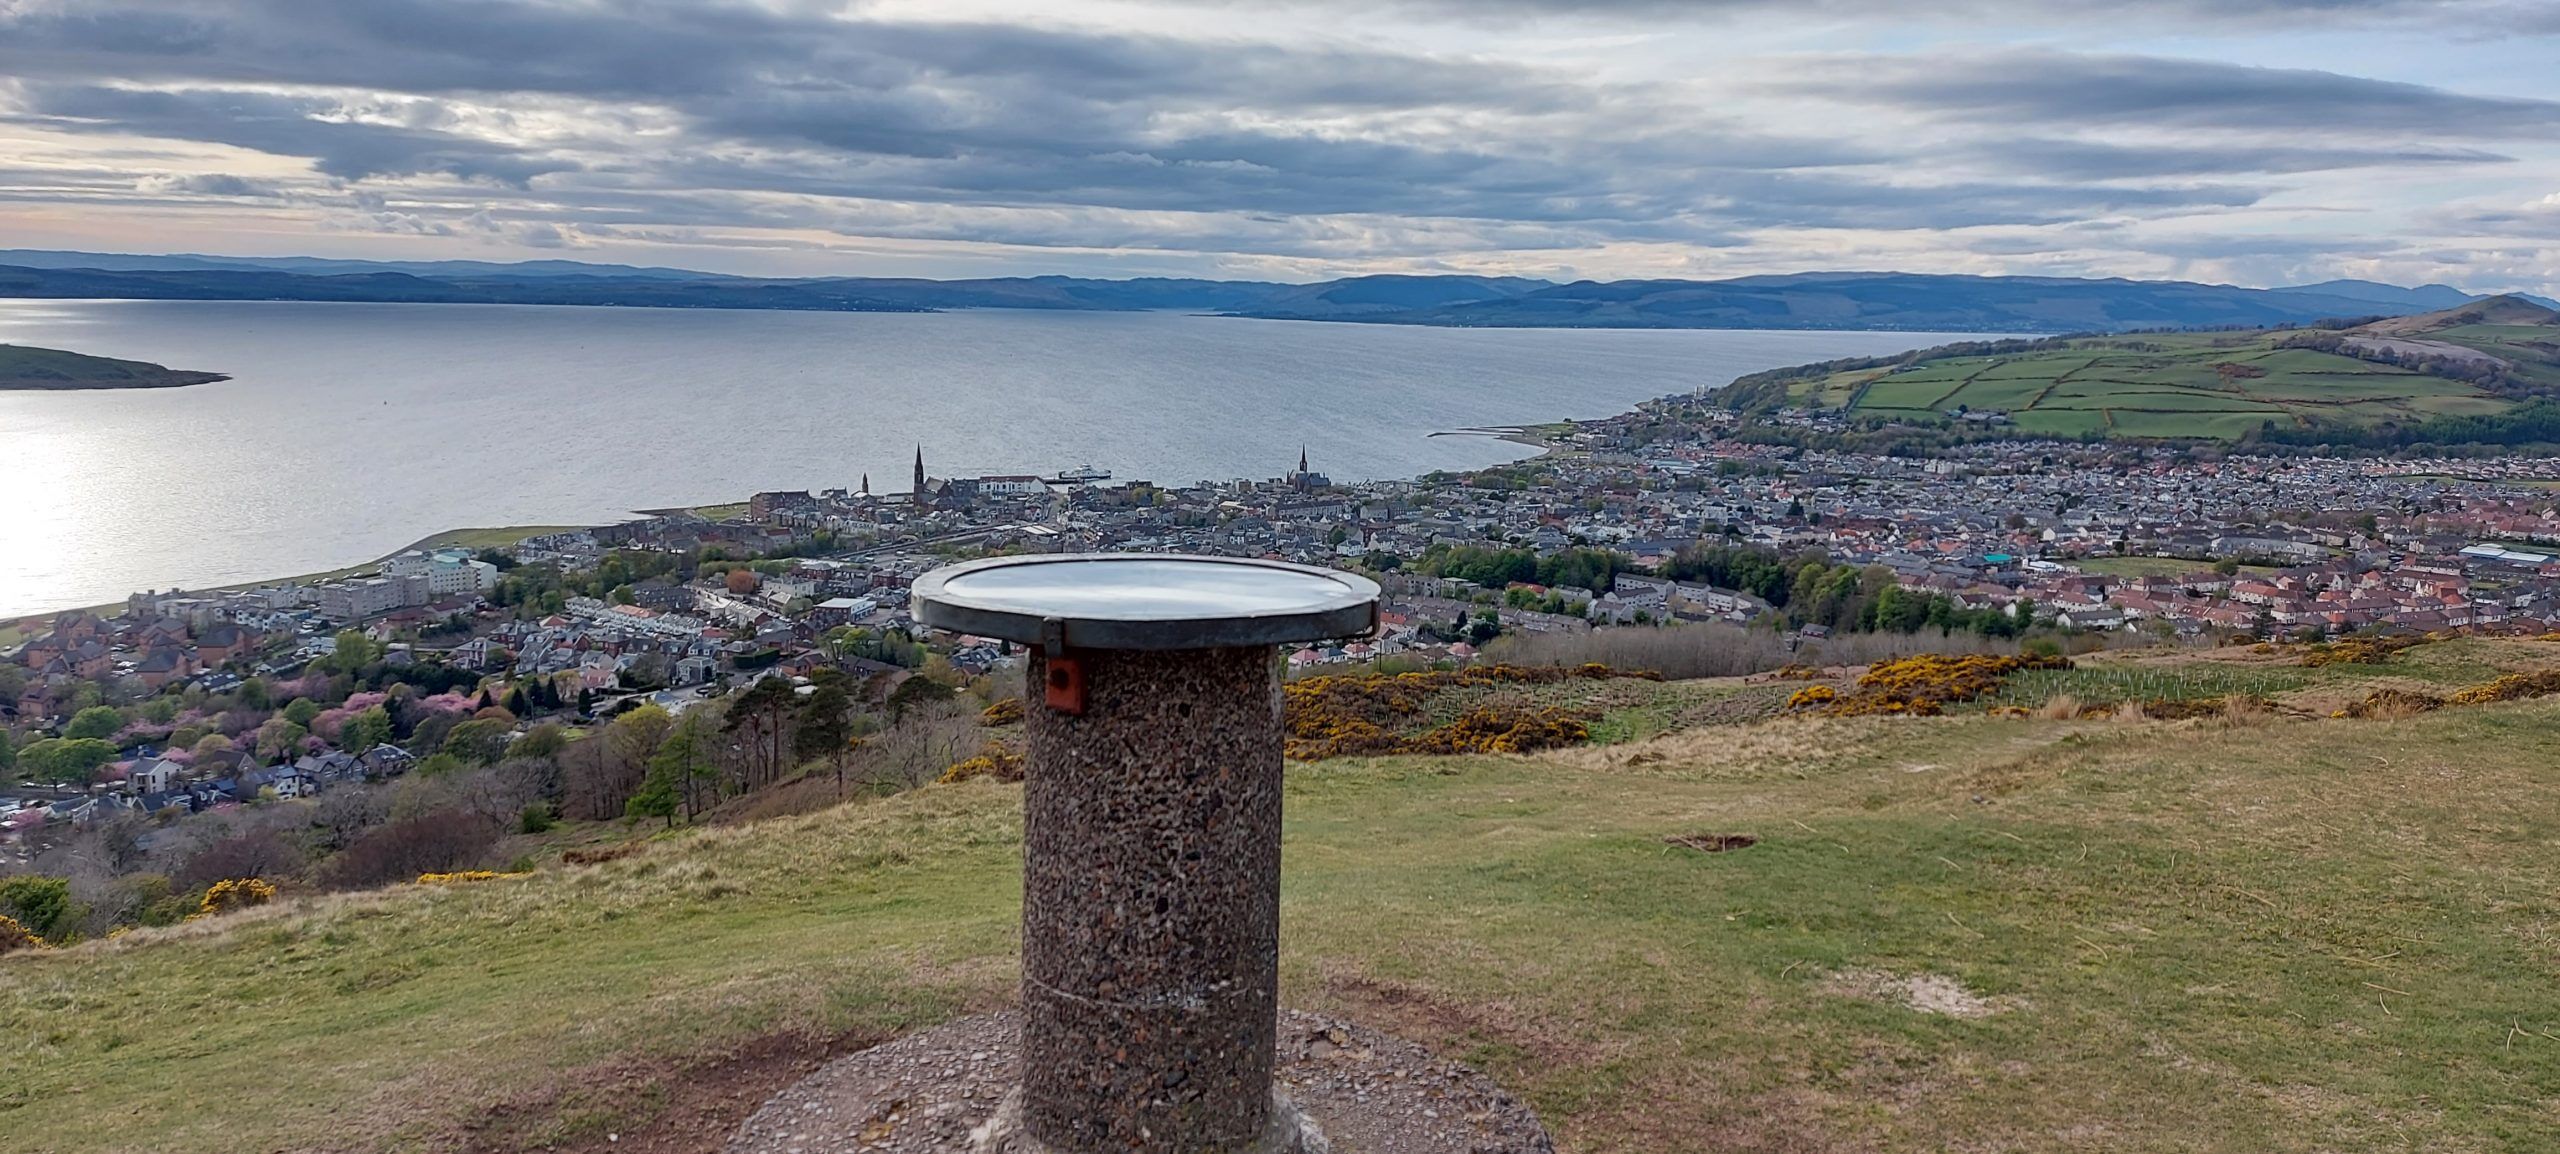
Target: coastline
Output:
[(13, 629)]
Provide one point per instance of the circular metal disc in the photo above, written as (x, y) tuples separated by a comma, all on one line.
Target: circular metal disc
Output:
[(1146, 601)]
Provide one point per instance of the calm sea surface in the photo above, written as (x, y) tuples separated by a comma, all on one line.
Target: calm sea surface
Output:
[(351, 430)]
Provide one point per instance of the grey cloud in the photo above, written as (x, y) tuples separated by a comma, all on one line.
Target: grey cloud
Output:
[(2099, 160), (673, 115), (211, 184), (285, 125), (2038, 86)]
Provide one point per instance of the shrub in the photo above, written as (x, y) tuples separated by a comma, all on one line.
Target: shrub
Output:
[(2391, 703), (1923, 686), (41, 904), (15, 937), (2359, 651), (536, 818), (2512, 687), (1005, 712), (1342, 715), (998, 761), (461, 876), (256, 853), (234, 894), (438, 841), (1506, 729)]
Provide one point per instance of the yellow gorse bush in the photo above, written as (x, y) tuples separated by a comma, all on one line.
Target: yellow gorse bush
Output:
[(2359, 651), (2512, 687), (1005, 712), (466, 876), (222, 897), (996, 760), (15, 937), (1342, 715), (1923, 685)]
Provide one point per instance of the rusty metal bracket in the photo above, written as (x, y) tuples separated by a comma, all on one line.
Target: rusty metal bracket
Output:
[(1065, 688)]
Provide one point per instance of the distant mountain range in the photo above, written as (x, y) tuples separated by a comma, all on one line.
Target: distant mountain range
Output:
[(1831, 300)]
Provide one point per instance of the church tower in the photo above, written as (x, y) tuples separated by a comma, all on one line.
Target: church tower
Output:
[(919, 489)]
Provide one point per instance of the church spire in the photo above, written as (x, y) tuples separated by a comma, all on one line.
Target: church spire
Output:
[(919, 490), (1302, 458)]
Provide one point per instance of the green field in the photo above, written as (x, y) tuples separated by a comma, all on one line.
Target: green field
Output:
[(2160, 386), (2260, 934)]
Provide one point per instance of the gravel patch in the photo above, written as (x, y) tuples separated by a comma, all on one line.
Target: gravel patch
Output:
[(1369, 1092)]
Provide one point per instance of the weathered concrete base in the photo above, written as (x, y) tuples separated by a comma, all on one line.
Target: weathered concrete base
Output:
[(947, 1091), (1289, 1132)]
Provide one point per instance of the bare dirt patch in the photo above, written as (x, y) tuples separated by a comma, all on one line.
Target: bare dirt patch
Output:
[(667, 1106), (1713, 842), (1924, 993)]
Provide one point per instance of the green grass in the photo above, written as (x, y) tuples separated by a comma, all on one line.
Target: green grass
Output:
[(492, 538), (2166, 386), (2152, 566), (2292, 937)]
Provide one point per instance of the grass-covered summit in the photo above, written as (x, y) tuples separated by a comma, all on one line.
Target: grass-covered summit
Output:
[(27, 367), (2034, 924)]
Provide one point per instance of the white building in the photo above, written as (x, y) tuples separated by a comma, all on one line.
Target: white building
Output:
[(447, 571)]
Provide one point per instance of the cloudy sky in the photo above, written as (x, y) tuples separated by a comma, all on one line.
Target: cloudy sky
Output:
[(2251, 141)]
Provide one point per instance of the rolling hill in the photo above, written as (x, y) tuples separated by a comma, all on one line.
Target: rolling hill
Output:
[(2458, 375), (1877, 301), (26, 367), (1831, 300)]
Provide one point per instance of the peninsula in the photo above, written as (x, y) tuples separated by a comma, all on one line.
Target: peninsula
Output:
[(26, 367)]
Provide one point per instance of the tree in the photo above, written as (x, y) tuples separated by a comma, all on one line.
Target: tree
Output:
[(825, 724), (280, 736), (252, 694), (301, 710), (517, 703), (760, 719), (634, 736), (42, 904), (480, 741), (656, 797), (8, 752), (66, 761), (367, 729), (540, 741), (686, 763), (210, 744), (95, 721), (355, 651)]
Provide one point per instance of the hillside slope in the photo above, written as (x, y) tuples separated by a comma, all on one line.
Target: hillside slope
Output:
[(1890, 301), (2261, 935), (2485, 372)]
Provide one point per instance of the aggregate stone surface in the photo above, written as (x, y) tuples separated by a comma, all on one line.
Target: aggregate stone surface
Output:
[(1151, 902), (1369, 1092)]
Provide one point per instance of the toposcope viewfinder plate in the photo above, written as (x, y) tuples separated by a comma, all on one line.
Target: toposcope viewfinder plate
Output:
[(1145, 601)]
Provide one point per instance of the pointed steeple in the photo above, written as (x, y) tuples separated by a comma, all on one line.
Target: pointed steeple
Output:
[(866, 484), (1302, 458), (919, 489)]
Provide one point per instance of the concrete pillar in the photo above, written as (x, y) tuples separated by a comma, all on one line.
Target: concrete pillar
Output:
[(1151, 905)]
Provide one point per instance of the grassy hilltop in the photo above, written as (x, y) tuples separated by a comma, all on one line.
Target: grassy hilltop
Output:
[(2482, 360), (2259, 930), (26, 367)]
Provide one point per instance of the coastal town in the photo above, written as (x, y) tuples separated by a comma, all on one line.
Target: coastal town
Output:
[(1629, 521)]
